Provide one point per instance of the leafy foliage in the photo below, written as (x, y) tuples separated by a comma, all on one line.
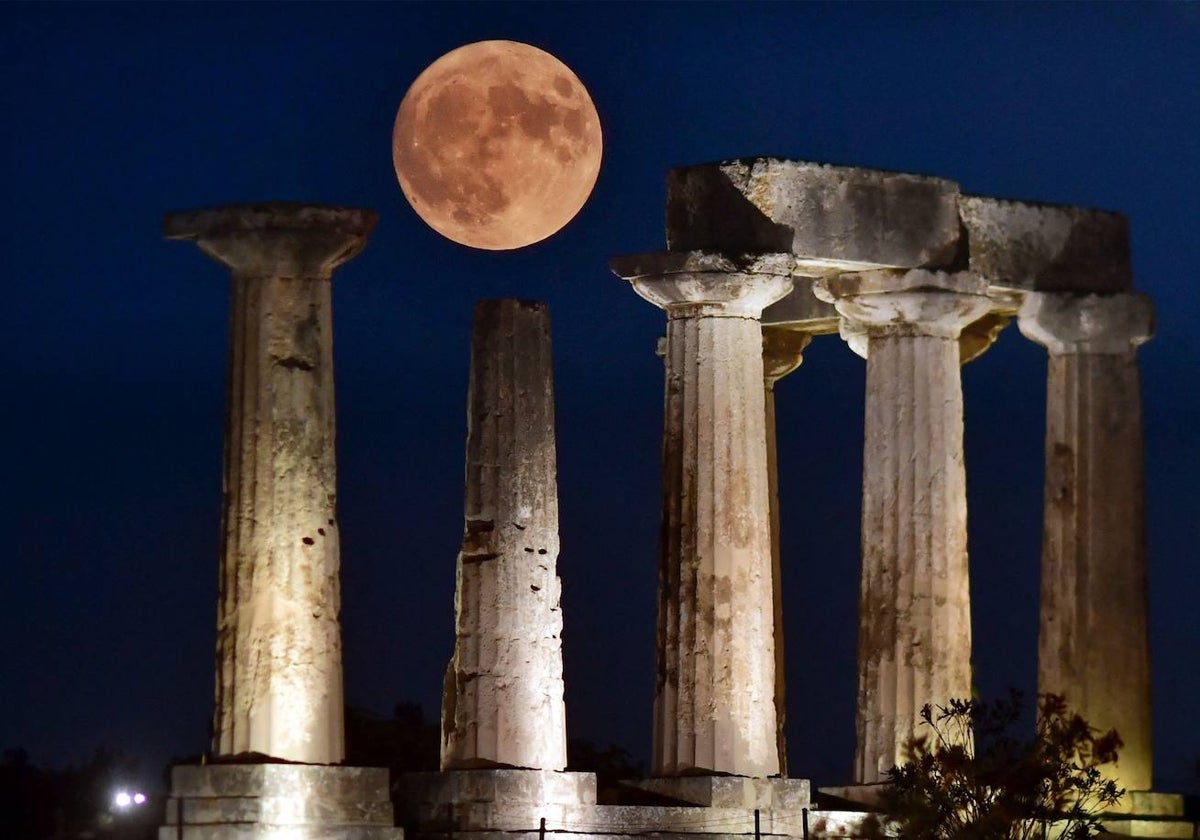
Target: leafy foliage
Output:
[(973, 777)]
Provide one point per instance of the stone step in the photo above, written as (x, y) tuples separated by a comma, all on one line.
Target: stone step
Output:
[(605, 819), (1148, 803), (730, 791), (497, 785), (259, 831), (1168, 828), (277, 810), (347, 784)]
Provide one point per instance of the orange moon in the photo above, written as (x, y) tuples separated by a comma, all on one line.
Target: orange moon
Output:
[(497, 145)]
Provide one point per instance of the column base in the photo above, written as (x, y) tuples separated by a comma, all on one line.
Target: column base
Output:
[(273, 801)]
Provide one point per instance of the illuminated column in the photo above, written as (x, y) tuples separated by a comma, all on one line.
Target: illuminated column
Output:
[(714, 709), (279, 657), (914, 644), (783, 351), (1093, 646), (503, 702)]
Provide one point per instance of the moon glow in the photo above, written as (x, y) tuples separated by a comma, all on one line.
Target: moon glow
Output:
[(497, 145)]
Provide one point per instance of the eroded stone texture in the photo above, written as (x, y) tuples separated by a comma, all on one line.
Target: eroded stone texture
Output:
[(783, 352), (279, 669), (503, 703), (914, 642), (1046, 247), (831, 218), (714, 707), (1093, 646)]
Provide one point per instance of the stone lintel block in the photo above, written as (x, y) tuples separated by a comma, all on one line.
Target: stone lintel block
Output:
[(800, 309), (498, 785), (275, 239), (731, 791), (1046, 247), (831, 218), (1067, 323), (335, 783)]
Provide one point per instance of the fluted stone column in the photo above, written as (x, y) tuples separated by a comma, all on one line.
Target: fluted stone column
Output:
[(714, 709), (914, 642), (783, 352), (1093, 645), (279, 657), (503, 703)]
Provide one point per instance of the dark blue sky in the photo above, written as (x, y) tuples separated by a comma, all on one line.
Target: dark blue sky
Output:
[(114, 341)]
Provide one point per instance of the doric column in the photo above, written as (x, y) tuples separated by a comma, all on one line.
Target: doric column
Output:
[(714, 709), (503, 703), (914, 644), (1093, 645), (783, 352), (279, 658)]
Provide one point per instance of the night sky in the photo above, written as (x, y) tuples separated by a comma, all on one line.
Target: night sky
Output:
[(115, 340)]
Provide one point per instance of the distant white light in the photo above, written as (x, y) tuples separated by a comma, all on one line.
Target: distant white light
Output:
[(139, 799), (122, 799)]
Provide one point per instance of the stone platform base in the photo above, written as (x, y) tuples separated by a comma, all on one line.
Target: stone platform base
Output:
[(277, 801), (529, 804), (1140, 813)]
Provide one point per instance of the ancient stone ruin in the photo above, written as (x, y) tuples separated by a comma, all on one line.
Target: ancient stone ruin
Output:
[(763, 256)]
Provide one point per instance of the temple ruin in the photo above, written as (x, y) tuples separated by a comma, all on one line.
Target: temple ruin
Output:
[(762, 257)]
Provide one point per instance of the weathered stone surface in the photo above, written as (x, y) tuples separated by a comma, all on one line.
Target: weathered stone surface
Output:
[(731, 791), (260, 801), (714, 707), (1046, 247), (915, 615), (279, 670), (783, 352), (503, 703), (802, 310), (1094, 593), (497, 785), (831, 218)]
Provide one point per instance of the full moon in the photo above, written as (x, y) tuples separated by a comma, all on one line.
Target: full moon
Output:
[(497, 145)]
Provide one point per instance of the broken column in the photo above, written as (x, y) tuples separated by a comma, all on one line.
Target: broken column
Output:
[(914, 642), (279, 652), (503, 704), (1093, 645), (714, 709), (1073, 267)]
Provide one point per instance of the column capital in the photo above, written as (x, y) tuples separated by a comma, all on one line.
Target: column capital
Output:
[(915, 302), (783, 352), (275, 239), (697, 284), (1066, 323)]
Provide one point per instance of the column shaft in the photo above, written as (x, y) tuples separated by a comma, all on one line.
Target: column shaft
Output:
[(915, 633), (279, 676), (504, 703), (714, 707), (914, 642), (1093, 645)]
